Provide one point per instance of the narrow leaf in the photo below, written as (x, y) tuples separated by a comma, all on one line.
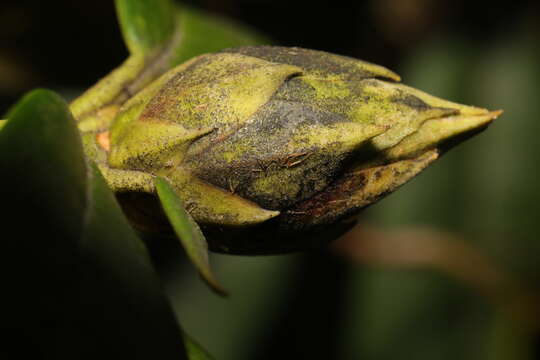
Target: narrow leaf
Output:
[(188, 232)]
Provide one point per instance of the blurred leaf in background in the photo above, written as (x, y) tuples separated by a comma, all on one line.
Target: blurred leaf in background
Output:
[(484, 190)]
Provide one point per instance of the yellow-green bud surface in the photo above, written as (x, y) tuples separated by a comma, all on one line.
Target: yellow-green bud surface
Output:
[(278, 143)]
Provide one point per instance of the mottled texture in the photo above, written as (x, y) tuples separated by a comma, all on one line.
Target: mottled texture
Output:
[(275, 142), (318, 63)]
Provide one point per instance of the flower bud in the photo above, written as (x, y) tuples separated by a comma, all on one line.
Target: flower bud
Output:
[(279, 146)]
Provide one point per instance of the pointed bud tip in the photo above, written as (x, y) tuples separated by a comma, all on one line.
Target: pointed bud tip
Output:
[(259, 215), (268, 214), (474, 111), (496, 113), (480, 118)]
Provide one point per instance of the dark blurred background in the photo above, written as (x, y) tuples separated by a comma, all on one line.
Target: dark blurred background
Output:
[(446, 268)]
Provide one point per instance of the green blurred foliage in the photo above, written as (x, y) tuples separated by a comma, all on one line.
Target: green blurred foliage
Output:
[(486, 190), (77, 282)]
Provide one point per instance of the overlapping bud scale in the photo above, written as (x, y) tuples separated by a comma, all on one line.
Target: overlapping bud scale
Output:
[(299, 136)]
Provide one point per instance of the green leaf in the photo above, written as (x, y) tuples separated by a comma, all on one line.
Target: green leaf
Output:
[(43, 192), (122, 306), (179, 33), (159, 35), (183, 32), (187, 231), (76, 281), (40, 134), (146, 24), (195, 27)]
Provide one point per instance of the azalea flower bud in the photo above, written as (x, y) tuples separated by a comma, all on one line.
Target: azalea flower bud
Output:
[(272, 149)]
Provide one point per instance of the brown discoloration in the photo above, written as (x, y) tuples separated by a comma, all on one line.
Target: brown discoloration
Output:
[(318, 62), (190, 207), (411, 101), (232, 185), (357, 189), (331, 197), (283, 141), (293, 159), (201, 107)]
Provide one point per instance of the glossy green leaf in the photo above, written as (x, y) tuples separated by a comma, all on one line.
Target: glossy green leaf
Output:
[(195, 27), (146, 24), (188, 232), (43, 192), (42, 160)]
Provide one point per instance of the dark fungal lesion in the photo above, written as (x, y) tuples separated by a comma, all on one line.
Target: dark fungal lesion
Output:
[(312, 61), (411, 101), (271, 155)]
